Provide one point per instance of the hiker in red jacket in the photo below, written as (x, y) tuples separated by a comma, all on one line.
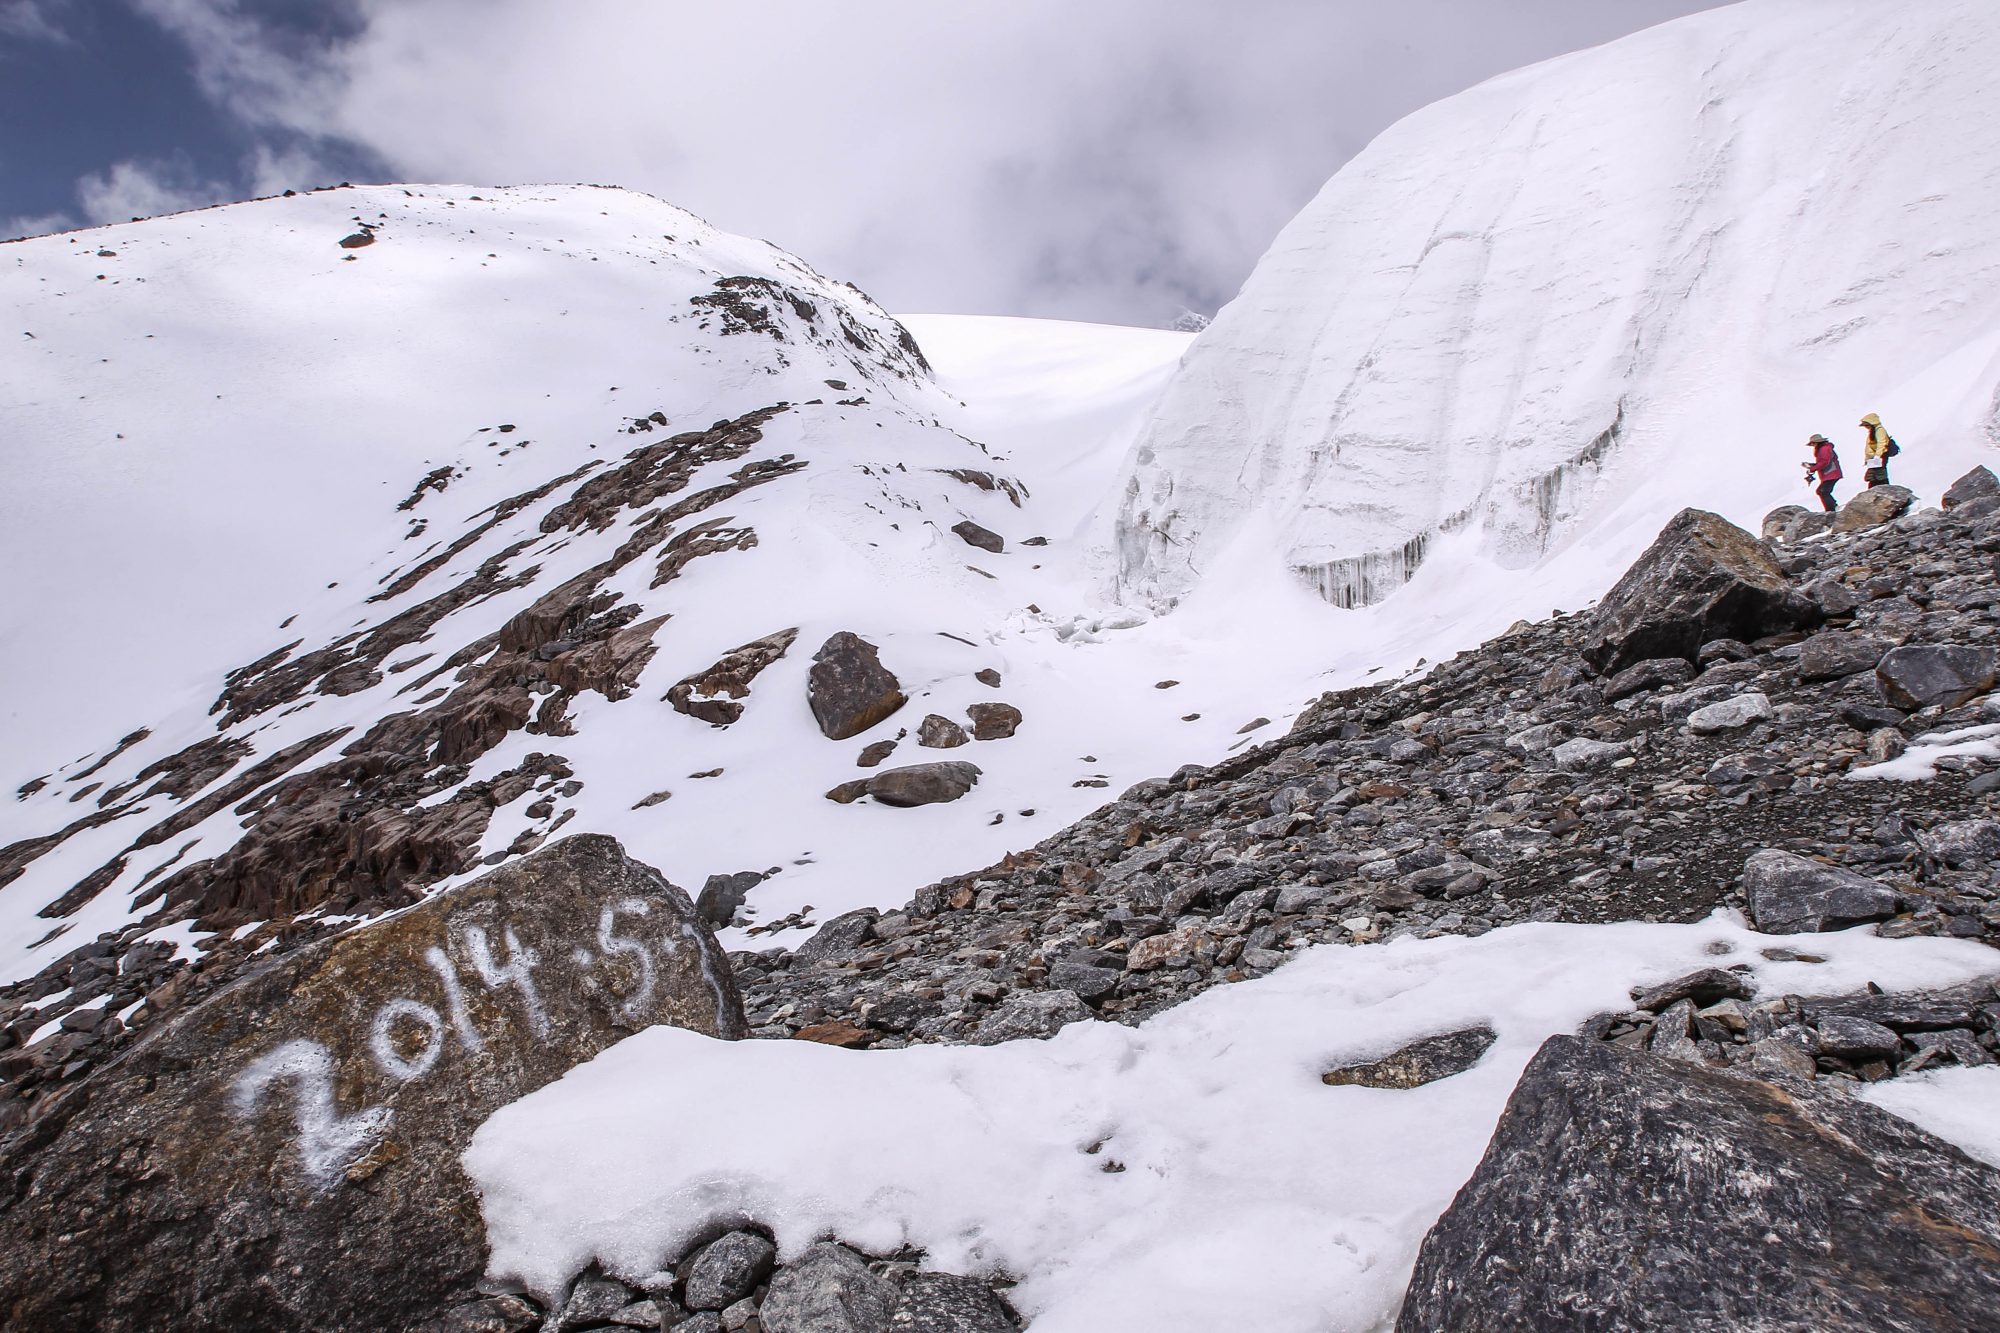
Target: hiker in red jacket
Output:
[(1826, 466)]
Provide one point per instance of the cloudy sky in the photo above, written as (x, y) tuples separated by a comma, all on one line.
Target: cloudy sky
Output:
[(1115, 160)]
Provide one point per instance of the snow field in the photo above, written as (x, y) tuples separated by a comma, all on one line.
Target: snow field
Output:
[(1191, 1173)]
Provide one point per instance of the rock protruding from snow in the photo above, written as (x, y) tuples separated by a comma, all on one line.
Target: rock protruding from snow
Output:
[(849, 689), (716, 695), (1791, 895), (1627, 1191), (828, 1290), (924, 784), (993, 721), (285, 1153), (1424, 1061), (937, 732), (983, 538), (1703, 578)]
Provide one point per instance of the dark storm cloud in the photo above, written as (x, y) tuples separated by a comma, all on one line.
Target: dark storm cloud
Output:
[(1111, 160)]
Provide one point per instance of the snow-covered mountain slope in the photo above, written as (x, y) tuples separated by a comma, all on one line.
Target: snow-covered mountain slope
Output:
[(1530, 322), (385, 559)]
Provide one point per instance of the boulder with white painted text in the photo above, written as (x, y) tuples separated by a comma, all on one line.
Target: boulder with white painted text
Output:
[(285, 1153)]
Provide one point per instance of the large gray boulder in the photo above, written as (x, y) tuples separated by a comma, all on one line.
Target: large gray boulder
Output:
[(284, 1154), (1919, 675), (1873, 507), (1628, 1192), (1703, 578), (1835, 654), (1791, 895), (848, 688), (1974, 485)]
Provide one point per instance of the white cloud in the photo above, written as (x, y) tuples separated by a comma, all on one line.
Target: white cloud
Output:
[(127, 190), (34, 224), (35, 21), (1115, 160)]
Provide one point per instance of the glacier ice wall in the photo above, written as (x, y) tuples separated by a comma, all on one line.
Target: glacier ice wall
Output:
[(1523, 305)]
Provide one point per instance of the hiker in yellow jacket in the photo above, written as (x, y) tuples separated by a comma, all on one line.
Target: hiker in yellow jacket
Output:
[(1881, 448)]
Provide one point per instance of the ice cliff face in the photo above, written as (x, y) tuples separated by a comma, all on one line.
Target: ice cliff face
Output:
[(1595, 281)]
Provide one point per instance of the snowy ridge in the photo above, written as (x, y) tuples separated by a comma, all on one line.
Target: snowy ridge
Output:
[(1544, 314)]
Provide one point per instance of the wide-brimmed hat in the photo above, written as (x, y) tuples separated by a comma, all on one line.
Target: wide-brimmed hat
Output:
[(1819, 439), (1871, 420)]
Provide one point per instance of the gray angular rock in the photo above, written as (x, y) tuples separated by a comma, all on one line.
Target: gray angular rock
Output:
[(1856, 1039), (1623, 1192), (1834, 654), (1946, 675), (974, 535), (924, 784), (1788, 523), (1425, 1060), (1791, 895), (844, 934), (828, 1289), (312, 1113), (946, 1303), (728, 1269), (1974, 485), (590, 1304), (1539, 739), (1703, 578), (1033, 1014), (723, 896), (1964, 843), (1585, 753), (848, 688), (1706, 987), (940, 733), (1729, 714), (1648, 675), (1085, 980), (1871, 508)]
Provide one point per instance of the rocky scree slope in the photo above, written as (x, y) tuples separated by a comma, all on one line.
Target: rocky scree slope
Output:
[(1515, 782)]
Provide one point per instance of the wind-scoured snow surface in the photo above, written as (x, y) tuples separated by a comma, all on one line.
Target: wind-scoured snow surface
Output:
[(1192, 1173), (1531, 322)]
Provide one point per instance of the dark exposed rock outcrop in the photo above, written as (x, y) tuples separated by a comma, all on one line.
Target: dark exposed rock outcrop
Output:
[(1626, 1191), (1704, 578), (284, 1154), (716, 695), (848, 688)]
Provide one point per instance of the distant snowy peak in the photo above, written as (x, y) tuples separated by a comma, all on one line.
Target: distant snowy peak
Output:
[(1582, 282)]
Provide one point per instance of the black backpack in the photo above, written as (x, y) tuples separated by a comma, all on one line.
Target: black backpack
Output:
[(1893, 449)]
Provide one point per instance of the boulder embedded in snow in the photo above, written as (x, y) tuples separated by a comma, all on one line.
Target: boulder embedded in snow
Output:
[(828, 1290), (947, 1303), (285, 1153), (1790, 895), (993, 722), (1424, 1061), (723, 896), (716, 694), (1625, 1191), (974, 535), (1874, 506), (1974, 485), (1834, 654), (874, 753), (848, 688), (1703, 578), (1946, 675), (727, 1270), (924, 784), (940, 733)]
